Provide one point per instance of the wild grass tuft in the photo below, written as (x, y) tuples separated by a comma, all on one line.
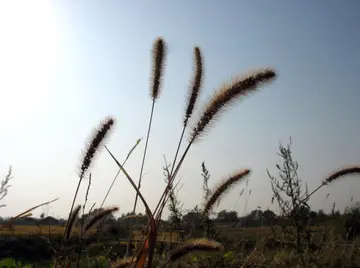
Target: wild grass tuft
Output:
[(5, 186), (226, 95)]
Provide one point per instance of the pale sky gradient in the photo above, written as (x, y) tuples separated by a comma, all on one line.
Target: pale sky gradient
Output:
[(64, 66)]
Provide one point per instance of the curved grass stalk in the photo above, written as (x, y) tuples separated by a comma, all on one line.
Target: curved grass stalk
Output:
[(117, 174)]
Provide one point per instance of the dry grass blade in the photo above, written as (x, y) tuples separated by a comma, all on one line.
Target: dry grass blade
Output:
[(141, 255), (151, 241), (97, 138), (71, 222), (222, 188), (196, 84), (146, 249), (117, 174), (228, 93), (159, 51), (31, 209), (201, 244), (99, 217), (148, 211), (26, 215), (9, 223), (343, 172)]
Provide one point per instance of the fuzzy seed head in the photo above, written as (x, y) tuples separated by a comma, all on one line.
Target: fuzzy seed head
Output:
[(99, 217), (97, 138), (228, 93), (200, 244), (223, 188), (159, 54), (195, 85), (343, 172)]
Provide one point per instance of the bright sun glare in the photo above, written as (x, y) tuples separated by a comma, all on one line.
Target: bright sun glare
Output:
[(28, 49)]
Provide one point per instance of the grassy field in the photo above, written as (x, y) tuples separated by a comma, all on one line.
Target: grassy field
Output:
[(238, 242), (33, 230), (25, 230)]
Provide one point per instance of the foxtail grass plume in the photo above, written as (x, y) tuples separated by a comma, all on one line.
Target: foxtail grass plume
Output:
[(99, 217), (71, 222), (195, 85), (97, 138), (343, 172), (159, 51), (200, 244), (333, 177), (159, 54), (222, 188), (228, 93)]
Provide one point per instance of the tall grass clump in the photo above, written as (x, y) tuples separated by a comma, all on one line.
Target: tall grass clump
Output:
[(226, 95), (292, 200)]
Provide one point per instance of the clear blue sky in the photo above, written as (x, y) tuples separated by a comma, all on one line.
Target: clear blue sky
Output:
[(64, 66)]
